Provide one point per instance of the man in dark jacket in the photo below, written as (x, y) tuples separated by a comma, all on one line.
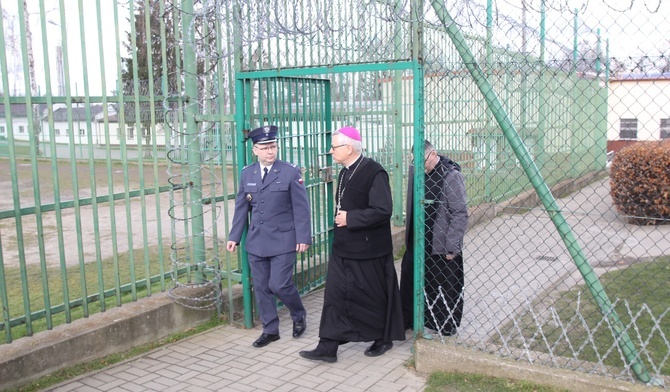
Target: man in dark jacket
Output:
[(273, 193), (362, 299), (446, 219)]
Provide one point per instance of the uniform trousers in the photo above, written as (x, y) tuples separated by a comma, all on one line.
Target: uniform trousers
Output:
[(273, 276)]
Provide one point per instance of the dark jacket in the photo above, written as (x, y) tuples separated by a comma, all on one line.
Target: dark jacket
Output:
[(452, 212)]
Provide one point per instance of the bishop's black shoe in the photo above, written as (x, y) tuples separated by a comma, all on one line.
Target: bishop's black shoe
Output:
[(378, 348), (265, 339), (299, 327), (316, 355)]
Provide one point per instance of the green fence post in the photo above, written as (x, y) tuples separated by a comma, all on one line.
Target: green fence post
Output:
[(240, 125), (419, 197), (398, 188), (190, 112)]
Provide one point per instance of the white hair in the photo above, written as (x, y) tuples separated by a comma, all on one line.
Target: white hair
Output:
[(357, 145)]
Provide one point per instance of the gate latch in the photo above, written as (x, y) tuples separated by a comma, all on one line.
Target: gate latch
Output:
[(326, 174)]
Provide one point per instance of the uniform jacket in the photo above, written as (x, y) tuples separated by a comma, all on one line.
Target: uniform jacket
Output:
[(452, 212), (280, 214)]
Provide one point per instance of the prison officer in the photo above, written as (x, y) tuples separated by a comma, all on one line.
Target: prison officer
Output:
[(273, 192)]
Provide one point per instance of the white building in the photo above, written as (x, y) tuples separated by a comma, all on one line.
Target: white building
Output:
[(61, 129), (638, 109), (19, 119), (132, 134)]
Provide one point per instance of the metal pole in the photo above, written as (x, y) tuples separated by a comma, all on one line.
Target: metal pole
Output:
[(595, 287), (193, 150), (574, 41), (241, 92), (419, 197), (397, 125)]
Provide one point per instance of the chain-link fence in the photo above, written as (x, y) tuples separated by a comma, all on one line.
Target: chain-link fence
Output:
[(565, 278)]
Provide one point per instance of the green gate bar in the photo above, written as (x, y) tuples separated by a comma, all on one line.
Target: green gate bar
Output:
[(240, 87), (4, 300), (533, 173)]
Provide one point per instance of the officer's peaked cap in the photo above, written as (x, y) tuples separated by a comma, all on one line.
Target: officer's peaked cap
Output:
[(265, 134)]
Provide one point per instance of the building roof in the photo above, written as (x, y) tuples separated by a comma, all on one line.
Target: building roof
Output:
[(17, 110), (653, 76), (145, 114), (78, 113)]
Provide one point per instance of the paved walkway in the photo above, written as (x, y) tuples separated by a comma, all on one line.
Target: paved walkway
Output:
[(222, 359)]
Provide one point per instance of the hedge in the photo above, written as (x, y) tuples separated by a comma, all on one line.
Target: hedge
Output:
[(640, 182)]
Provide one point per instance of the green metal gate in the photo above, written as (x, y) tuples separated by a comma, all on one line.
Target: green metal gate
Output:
[(300, 108)]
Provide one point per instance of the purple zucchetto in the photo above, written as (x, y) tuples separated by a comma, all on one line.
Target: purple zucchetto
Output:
[(350, 132)]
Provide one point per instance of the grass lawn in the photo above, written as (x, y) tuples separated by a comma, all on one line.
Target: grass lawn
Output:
[(641, 297), (108, 275), (458, 382)]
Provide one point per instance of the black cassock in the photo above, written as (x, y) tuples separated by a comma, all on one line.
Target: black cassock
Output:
[(354, 290), (362, 297)]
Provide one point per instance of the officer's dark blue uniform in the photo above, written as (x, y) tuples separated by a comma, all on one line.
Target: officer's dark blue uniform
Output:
[(279, 223)]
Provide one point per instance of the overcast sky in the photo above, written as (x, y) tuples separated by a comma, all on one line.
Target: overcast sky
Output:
[(73, 42), (633, 27)]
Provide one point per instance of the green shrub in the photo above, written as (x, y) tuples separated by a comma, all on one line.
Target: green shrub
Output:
[(640, 182)]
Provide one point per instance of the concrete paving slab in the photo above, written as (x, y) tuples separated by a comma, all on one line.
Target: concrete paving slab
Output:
[(223, 359)]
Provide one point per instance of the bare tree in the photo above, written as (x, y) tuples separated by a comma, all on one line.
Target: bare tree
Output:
[(619, 66), (31, 74), (640, 65), (663, 62), (12, 44)]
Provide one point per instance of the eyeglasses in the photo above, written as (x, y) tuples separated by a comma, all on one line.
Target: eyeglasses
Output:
[(268, 148), (338, 146), (425, 157)]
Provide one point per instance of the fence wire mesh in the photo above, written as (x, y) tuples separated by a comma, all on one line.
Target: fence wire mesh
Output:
[(581, 83)]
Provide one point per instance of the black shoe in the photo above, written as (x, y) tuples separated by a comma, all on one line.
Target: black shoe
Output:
[(299, 327), (378, 348), (315, 355), (265, 339)]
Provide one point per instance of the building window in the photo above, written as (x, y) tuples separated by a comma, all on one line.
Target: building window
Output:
[(131, 133), (2, 130), (22, 129), (665, 128), (628, 128), (82, 132), (57, 132)]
